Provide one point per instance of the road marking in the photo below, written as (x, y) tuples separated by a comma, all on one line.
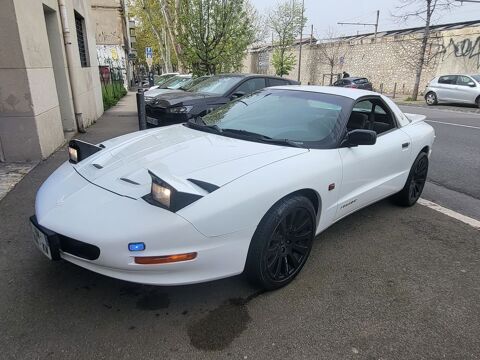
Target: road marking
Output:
[(465, 219), (446, 123)]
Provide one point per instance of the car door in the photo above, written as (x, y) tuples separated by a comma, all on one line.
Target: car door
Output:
[(446, 88), (373, 172), (467, 90)]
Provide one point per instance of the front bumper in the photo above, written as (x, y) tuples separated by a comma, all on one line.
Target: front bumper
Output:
[(70, 209)]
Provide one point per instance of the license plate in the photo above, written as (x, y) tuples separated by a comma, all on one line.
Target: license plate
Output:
[(40, 239), (152, 121)]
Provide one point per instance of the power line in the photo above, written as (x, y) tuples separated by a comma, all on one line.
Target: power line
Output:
[(364, 24)]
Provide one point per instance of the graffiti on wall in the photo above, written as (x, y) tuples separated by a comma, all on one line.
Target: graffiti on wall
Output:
[(466, 48)]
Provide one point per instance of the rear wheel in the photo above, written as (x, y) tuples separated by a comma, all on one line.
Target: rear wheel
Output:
[(282, 242), (478, 102), (417, 177), (431, 99)]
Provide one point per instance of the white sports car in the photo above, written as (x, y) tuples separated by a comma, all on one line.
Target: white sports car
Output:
[(246, 188)]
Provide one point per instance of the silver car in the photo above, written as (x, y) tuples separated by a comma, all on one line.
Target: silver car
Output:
[(464, 89)]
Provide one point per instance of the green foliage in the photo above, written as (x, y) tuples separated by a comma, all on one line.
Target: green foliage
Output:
[(111, 93), (286, 22), (283, 62), (214, 35)]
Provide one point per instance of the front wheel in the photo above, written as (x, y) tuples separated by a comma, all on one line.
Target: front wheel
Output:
[(282, 242), (417, 177), (431, 99)]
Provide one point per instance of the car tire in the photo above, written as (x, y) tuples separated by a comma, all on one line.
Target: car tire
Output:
[(281, 243), (477, 101), (417, 177), (431, 98)]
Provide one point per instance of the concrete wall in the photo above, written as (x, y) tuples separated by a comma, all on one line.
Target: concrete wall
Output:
[(35, 92), (385, 61)]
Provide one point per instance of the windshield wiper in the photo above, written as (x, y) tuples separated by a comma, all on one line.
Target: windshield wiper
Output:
[(262, 138), (192, 123)]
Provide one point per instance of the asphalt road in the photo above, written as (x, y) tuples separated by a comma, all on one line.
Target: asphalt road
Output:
[(384, 283), (454, 174)]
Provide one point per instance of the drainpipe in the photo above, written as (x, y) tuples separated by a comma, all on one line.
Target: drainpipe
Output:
[(67, 37)]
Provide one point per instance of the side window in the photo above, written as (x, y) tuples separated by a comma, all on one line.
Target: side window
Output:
[(251, 85), (277, 82), (464, 80), (371, 115), (448, 80)]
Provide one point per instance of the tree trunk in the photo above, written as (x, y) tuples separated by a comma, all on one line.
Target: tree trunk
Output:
[(423, 48)]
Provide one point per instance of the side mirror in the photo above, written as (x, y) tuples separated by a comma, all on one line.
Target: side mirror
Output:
[(471, 84), (237, 94), (360, 137)]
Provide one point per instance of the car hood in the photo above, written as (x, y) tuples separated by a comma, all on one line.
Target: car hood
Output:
[(176, 154), (158, 91), (183, 98)]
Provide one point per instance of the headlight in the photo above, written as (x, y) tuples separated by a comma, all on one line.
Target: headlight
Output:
[(79, 150), (161, 194), (165, 196), (179, 109)]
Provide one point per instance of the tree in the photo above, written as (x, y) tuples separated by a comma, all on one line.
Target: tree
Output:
[(151, 22), (424, 10), (330, 51), (285, 21), (214, 34)]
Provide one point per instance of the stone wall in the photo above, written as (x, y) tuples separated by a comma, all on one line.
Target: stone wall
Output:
[(385, 61)]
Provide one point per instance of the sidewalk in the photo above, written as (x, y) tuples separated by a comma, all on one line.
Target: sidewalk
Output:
[(118, 120)]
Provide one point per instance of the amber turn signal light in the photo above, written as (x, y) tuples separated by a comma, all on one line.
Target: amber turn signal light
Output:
[(150, 260)]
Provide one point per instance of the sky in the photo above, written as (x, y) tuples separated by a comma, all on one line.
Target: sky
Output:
[(325, 14)]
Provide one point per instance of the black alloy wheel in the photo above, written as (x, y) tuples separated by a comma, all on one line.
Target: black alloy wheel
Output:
[(282, 243), (289, 245), (419, 177), (415, 183)]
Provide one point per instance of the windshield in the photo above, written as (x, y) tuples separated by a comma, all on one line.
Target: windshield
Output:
[(160, 79), (306, 118), (188, 85), (476, 77), (175, 82), (216, 85)]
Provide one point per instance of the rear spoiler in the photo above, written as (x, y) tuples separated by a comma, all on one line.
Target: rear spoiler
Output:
[(415, 117)]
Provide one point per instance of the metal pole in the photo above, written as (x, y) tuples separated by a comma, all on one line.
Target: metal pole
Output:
[(394, 90), (376, 23), (142, 119), (301, 39)]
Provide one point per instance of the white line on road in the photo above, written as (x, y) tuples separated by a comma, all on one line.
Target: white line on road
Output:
[(447, 123), (465, 219)]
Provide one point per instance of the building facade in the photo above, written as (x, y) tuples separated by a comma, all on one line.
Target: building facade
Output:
[(115, 37), (49, 75), (387, 60)]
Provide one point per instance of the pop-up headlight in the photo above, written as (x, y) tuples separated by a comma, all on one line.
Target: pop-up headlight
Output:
[(79, 150), (167, 197)]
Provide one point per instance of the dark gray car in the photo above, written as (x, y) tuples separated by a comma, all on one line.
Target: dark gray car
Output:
[(354, 83)]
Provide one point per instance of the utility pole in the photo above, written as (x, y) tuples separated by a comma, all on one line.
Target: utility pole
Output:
[(301, 39), (365, 24)]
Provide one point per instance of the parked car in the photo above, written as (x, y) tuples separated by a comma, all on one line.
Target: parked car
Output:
[(158, 80), (245, 189), (174, 108), (172, 83), (462, 89), (354, 83)]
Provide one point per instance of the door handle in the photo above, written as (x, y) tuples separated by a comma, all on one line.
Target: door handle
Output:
[(405, 145)]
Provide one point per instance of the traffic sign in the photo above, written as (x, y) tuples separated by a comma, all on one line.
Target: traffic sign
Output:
[(148, 52)]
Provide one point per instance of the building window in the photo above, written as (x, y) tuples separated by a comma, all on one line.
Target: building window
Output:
[(82, 40)]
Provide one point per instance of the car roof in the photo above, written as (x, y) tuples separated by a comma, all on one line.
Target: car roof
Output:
[(354, 78), (333, 90)]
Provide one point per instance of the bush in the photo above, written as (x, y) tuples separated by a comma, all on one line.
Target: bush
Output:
[(111, 93)]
